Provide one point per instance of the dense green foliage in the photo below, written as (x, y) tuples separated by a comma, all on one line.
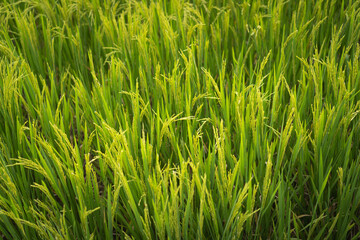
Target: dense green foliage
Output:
[(179, 120)]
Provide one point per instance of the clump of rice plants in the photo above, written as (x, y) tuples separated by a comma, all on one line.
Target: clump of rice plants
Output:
[(179, 119)]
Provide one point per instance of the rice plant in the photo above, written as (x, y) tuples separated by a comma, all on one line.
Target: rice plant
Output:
[(179, 119)]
